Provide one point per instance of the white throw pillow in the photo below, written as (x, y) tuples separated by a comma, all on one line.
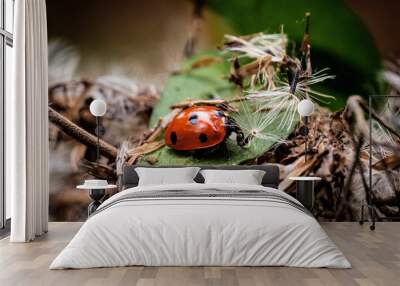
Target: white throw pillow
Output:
[(166, 176), (248, 177)]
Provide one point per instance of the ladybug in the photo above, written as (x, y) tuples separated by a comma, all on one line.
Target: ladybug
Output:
[(200, 128)]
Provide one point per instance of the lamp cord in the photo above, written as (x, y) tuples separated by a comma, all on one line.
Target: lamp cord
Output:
[(98, 140), (306, 138)]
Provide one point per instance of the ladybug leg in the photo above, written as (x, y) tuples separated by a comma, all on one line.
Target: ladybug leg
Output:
[(232, 127), (240, 138)]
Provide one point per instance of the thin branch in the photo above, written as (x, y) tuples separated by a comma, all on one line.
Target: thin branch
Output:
[(305, 52), (306, 36), (81, 135), (145, 148)]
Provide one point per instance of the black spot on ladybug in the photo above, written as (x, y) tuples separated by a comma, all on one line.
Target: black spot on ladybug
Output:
[(193, 118), (219, 114), (173, 137), (203, 138)]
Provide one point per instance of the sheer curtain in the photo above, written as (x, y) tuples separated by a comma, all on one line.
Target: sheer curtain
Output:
[(27, 124)]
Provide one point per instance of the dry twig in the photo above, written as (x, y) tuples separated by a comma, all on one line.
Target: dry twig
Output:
[(80, 134)]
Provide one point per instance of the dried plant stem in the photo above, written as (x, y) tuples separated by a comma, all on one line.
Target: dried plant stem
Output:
[(145, 148), (391, 162), (154, 132), (81, 135), (253, 67), (305, 52), (306, 36)]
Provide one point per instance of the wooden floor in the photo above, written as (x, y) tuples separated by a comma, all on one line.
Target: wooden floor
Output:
[(375, 257)]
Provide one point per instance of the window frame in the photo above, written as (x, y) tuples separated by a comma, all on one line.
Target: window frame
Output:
[(6, 39)]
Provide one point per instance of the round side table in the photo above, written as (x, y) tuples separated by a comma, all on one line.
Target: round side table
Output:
[(305, 190), (96, 194)]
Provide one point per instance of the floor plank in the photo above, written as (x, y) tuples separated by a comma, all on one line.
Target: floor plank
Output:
[(375, 257)]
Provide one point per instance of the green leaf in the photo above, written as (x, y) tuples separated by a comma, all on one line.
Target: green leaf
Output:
[(338, 38)]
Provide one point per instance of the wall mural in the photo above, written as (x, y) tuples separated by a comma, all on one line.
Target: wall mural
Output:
[(209, 83)]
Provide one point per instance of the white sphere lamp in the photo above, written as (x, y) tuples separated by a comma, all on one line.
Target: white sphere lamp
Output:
[(98, 107), (305, 107)]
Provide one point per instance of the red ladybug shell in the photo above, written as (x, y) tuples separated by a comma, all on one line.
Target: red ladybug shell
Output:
[(196, 127)]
